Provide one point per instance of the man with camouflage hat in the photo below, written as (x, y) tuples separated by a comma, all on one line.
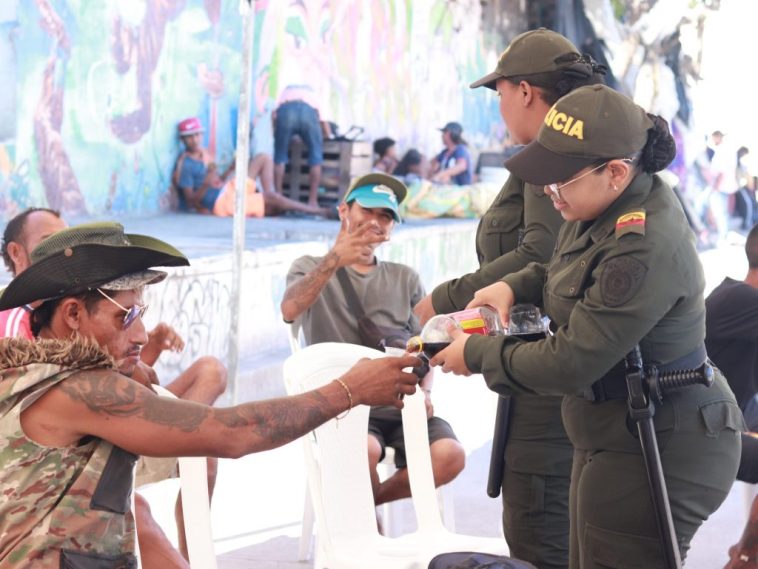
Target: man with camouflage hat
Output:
[(71, 423)]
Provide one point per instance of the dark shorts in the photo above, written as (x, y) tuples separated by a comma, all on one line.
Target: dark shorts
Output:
[(386, 425), (297, 117)]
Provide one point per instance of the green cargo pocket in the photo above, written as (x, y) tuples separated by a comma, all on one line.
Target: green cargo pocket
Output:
[(605, 549), (721, 415)]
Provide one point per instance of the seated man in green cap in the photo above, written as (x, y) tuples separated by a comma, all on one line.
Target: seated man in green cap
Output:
[(72, 422), (322, 298)]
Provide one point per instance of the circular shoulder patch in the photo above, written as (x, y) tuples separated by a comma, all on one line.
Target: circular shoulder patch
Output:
[(621, 279)]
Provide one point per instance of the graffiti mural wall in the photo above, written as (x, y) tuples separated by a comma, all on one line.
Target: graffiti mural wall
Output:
[(90, 128)]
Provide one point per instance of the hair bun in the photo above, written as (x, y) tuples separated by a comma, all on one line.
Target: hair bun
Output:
[(660, 149)]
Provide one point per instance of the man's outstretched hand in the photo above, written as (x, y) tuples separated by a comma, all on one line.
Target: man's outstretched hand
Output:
[(382, 381)]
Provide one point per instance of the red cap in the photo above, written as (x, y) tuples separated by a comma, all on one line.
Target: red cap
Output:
[(189, 126)]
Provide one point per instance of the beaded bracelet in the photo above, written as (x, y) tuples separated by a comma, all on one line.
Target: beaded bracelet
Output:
[(349, 398)]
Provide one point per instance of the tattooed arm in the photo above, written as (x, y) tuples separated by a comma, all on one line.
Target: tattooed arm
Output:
[(113, 407), (351, 246)]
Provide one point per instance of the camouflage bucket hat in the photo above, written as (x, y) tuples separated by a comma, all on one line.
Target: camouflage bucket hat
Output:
[(88, 256), (589, 124), (536, 51)]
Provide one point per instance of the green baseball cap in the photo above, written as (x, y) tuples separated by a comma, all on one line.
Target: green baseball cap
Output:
[(378, 190), (88, 256), (588, 124), (536, 51)]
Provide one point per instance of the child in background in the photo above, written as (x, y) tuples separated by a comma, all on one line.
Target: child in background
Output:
[(384, 148)]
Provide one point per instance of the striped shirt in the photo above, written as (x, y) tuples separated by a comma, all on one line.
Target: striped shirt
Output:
[(16, 322)]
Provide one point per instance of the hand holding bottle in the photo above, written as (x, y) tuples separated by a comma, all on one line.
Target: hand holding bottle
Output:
[(497, 295), (451, 358)]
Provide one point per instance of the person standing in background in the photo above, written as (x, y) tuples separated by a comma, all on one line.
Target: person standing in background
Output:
[(299, 112)]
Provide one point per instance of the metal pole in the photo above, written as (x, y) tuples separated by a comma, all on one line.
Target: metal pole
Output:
[(247, 11)]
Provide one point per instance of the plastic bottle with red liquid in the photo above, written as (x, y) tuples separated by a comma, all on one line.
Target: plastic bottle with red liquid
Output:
[(525, 322)]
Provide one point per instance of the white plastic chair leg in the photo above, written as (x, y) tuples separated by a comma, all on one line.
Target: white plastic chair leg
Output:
[(446, 499), (196, 508), (306, 533)]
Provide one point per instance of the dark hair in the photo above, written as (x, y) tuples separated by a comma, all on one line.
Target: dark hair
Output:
[(43, 314), (382, 145), (751, 247), (742, 151), (411, 158), (578, 71), (15, 228), (660, 149)]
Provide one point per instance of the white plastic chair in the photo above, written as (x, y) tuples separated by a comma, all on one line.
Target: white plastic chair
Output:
[(388, 463), (193, 480), (340, 486)]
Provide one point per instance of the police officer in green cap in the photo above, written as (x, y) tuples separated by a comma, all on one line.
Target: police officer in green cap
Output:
[(625, 273), (521, 227)]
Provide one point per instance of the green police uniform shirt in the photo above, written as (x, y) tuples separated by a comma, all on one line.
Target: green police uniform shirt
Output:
[(59, 507), (520, 227), (630, 276)]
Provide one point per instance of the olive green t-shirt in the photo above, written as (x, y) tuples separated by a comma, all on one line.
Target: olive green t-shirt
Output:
[(388, 294)]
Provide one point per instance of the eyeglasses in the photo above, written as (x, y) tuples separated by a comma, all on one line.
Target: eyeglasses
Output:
[(555, 189), (131, 313)]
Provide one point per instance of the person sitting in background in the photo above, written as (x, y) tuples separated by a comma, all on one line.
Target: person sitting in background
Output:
[(22, 234), (452, 165), (317, 299), (385, 149), (413, 167), (204, 188)]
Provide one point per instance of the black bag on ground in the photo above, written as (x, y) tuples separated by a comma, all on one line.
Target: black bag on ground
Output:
[(470, 560)]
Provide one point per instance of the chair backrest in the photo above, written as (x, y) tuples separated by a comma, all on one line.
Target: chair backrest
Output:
[(193, 476), (337, 463)]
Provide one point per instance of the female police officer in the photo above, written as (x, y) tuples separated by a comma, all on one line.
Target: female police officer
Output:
[(625, 272), (521, 226)]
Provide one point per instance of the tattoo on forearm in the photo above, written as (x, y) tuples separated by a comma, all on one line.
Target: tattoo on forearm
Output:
[(279, 420), (305, 291), (102, 392)]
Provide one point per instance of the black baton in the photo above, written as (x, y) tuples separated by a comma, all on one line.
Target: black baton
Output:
[(499, 438), (641, 384)]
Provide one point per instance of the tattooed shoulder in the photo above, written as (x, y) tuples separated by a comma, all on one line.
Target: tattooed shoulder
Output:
[(109, 393)]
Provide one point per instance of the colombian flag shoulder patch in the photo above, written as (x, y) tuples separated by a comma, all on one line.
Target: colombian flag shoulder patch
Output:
[(632, 222)]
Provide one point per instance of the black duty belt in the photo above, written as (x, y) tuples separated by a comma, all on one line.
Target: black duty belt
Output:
[(613, 384)]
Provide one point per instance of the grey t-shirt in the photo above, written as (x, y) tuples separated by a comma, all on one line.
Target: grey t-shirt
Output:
[(388, 294)]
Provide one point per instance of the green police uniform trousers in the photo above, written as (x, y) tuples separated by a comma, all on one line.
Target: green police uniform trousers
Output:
[(521, 227)]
